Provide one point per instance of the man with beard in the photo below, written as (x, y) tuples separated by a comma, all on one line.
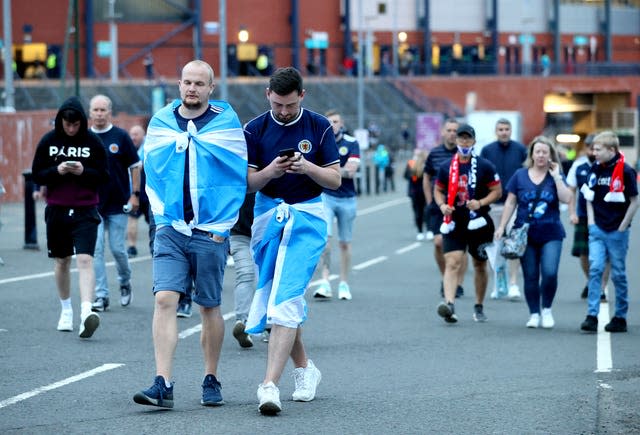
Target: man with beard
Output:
[(292, 156), (196, 168)]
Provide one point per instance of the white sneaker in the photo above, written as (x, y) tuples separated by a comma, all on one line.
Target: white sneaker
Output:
[(269, 397), (514, 293), (430, 235), (534, 321), (306, 380), (343, 291), (88, 325), (420, 237), (323, 290), (66, 321), (547, 318)]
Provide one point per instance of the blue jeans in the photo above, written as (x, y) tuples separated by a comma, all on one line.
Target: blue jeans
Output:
[(612, 246), (540, 271), (116, 226), (245, 275)]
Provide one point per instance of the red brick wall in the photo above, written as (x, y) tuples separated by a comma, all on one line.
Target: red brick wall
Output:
[(523, 94), (19, 136)]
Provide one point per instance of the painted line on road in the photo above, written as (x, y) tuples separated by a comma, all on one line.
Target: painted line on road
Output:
[(382, 206), (194, 330), (604, 358), (62, 383), (370, 263), (49, 274), (406, 249)]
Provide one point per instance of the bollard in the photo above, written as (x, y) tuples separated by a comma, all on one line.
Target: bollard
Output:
[(30, 230), (367, 179)]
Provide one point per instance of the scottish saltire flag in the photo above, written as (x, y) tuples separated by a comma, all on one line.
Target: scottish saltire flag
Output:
[(217, 169), (287, 241)]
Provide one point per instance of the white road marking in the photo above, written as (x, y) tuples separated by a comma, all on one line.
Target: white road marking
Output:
[(62, 383), (411, 247), (382, 206), (194, 330), (604, 358), (49, 274), (370, 263)]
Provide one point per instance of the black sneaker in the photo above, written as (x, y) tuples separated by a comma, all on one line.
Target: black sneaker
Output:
[(447, 312), (100, 304), (132, 251), (184, 310), (125, 295), (211, 395), (585, 292), (617, 324), (478, 314), (603, 297), (590, 324), (459, 291), (157, 395), (244, 339)]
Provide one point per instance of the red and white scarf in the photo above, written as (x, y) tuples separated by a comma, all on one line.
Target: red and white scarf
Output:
[(452, 191), (616, 185), (475, 221)]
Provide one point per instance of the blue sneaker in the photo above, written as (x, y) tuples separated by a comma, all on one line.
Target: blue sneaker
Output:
[(211, 395), (157, 395)]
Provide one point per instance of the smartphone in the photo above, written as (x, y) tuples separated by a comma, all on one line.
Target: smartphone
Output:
[(288, 152), (71, 163)]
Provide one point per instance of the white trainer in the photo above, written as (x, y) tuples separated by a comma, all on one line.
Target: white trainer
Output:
[(88, 325), (269, 397), (547, 318), (420, 237), (534, 321), (65, 323), (323, 290), (306, 380), (514, 293), (429, 235), (344, 292)]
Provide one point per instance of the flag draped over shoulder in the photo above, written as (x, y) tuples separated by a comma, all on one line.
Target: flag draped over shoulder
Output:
[(287, 241), (217, 169)]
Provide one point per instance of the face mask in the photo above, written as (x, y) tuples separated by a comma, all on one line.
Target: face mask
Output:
[(464, 151)]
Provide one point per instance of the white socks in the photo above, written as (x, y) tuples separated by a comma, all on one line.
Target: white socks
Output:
[(85, 309), (66, 304)]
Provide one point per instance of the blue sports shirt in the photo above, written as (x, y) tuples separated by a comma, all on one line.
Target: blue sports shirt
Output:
[(310, 134)]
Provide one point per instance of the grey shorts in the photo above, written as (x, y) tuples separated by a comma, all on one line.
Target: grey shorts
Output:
[(178, 259)]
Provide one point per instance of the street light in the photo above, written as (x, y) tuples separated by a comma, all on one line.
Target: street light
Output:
[(243, 35)]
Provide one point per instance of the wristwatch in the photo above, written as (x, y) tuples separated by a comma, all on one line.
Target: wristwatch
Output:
[(136, 193)]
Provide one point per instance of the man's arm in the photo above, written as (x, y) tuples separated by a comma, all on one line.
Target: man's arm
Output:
[(573, 217), (631, 211), (426, 187)]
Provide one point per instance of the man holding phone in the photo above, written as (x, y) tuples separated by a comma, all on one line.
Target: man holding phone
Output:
[(289, 229), (70, 162)]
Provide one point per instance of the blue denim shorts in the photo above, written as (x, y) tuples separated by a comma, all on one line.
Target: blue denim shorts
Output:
[(179, 259), (342, 209)]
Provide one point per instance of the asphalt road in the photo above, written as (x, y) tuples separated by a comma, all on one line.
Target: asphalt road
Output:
[(389, 363)]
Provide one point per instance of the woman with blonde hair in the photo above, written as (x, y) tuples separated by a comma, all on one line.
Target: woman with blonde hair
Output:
[(536, 191)]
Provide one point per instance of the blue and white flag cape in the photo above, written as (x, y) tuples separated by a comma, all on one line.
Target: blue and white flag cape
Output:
[(287, 241), (217, 169)]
